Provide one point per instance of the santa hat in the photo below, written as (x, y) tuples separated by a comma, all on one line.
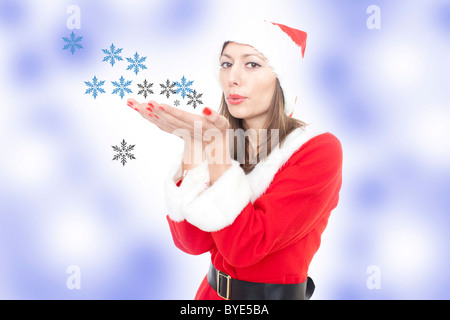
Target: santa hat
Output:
[(283, 46)]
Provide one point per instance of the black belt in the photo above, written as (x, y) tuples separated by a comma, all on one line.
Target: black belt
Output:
[(233, 289)]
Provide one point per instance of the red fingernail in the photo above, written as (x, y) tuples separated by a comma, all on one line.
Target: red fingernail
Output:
[(156, 116), (207, 111), (150, 115), (151, 105), (149, 109), (129, 104), (161, 108), (136, 109)]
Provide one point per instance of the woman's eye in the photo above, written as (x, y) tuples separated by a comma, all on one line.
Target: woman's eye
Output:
[(254, 65)]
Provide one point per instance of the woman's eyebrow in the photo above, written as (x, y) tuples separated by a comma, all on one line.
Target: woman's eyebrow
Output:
[(246, 55)]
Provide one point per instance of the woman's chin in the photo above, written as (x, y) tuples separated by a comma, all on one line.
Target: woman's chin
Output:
[(237, 112)]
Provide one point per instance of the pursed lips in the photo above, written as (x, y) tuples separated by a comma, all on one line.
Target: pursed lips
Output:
[(236, 99)]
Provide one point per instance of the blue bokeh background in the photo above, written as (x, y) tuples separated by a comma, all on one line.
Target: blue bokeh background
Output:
[(63, 202)]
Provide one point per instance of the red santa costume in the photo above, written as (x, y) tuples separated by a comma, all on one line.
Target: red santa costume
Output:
[(266, 226)]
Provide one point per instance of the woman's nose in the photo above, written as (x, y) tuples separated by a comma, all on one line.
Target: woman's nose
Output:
[(235, 76)]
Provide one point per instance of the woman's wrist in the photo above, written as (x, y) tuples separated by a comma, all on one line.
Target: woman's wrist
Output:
[(220, 161), (193, 154)]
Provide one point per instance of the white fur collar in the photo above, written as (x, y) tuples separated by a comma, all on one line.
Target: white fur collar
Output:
[(262, 175), (208, 208)]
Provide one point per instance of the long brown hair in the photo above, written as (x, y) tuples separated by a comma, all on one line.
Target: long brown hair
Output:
[(276, 119)]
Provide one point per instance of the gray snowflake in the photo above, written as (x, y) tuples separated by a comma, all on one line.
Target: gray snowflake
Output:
[(176, 103), (145, 88), (72, 43), (112, 54), (167, 88), (123, 152), (194, 99), (136, 63), (183, 87)]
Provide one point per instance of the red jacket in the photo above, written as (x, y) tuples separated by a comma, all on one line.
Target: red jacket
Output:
[(265, 226)]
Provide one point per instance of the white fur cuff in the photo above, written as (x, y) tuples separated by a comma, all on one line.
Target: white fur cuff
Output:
[(193, 184), (219, 205)]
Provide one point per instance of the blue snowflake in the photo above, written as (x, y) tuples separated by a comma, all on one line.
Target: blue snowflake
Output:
[(183, 87), (121, 87), (136, 63), (112, 54), (94, 87), (72, 43)]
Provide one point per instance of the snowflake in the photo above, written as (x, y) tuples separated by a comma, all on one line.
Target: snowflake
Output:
[(72, 43), (183, 87), (94, 87), (145, 88), (176, 103), (121, 87), (167, 88), (112, 54), (123, 152), (136, 63), (194, 99)]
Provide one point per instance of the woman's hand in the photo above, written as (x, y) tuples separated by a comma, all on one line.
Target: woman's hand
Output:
[(183, 124), (192, 127)]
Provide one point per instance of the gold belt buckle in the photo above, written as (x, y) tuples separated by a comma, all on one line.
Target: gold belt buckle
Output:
[(219, 274)]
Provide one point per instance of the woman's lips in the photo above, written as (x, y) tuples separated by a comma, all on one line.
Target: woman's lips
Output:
[(236, 99)]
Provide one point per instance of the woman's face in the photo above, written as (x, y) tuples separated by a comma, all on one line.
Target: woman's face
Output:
[(246, 72)]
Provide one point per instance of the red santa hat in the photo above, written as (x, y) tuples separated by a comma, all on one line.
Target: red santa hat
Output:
[(283, 46)]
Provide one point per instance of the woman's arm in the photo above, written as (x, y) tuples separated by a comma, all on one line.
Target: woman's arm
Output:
[(300, 198), (189, 238), (186, 237), (190, 127)]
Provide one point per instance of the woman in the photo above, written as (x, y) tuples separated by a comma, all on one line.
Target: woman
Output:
[(261, 218)]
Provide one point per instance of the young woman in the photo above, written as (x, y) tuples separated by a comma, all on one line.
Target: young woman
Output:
[(261, 218)]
